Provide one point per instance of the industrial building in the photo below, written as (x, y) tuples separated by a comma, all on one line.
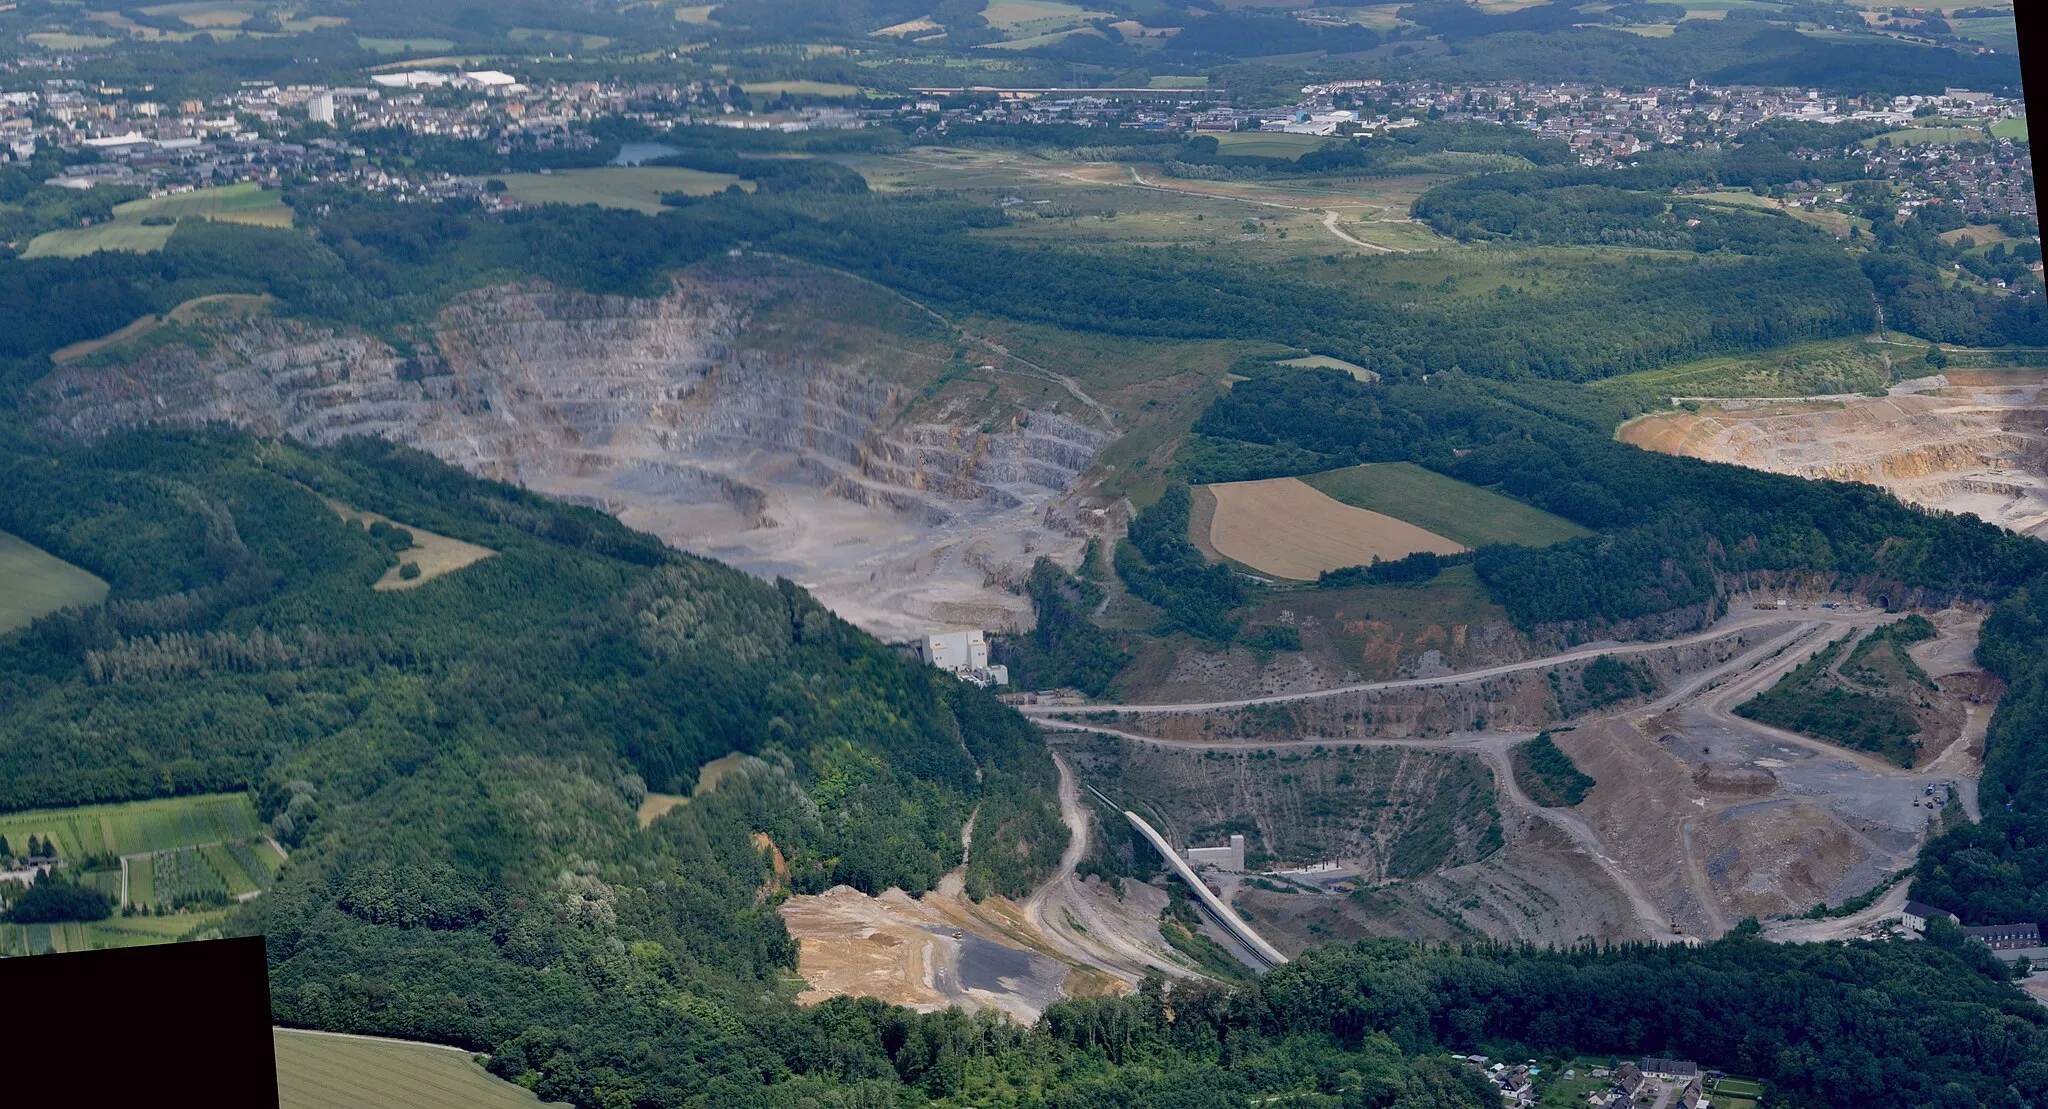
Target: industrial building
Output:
[(963, 654)]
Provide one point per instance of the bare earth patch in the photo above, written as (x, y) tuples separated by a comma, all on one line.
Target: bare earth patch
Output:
[(1970, 442), (654, 806), (1283, 526), (927, 953), (435, 555)]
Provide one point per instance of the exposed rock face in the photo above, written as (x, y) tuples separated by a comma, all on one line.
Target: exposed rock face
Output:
[(1966, 442), (662, 412)]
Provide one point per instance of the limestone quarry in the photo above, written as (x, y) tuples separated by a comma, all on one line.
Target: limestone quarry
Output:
[(726, 417), (1972, 441)]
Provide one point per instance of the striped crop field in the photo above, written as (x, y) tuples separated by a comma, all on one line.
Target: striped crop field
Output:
[(137, 827)]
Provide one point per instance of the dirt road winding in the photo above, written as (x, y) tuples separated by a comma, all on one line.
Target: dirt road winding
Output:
[(1714, 691)]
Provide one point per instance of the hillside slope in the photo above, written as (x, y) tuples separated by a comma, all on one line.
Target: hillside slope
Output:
[(457, 766)]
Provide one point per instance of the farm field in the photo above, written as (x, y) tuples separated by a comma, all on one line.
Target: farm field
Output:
[(1263, 144), (208, 14), (542, 38), (58, 40), (35, 583), (402, 46), (435, 555), (1913, 136), (320, 1071), (1047, 39), (1981, 234), (1444, 506), (240, 203), (636, 187), (1024, 18), (1832, 222), (1823, 368), (115, 931), (137, 827), (801, 88), (1285, 527)]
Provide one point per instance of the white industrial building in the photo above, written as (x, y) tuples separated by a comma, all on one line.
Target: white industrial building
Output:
[(964, 654)]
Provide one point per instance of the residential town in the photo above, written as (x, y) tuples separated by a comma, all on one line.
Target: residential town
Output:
[(268, 133)]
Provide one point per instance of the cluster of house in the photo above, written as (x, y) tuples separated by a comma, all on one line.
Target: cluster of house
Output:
[(27, 869), (239, 135), (1631, 1078), (1517, 1084), (1683, 1080), (1998, 937)]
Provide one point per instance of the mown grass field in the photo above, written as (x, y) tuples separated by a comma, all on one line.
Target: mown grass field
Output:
[(2014, 129), (801, 88), (208, 14), (316, 1071), (1914, 136), (36, 583), (59, 40), (1468, 514), (402, 46), (245, 202), (636, 187)]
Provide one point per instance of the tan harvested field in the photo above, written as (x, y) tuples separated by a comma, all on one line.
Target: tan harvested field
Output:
[(1325, 362), (317, 1070), (435, 555), (654, 806), (1284, 527)]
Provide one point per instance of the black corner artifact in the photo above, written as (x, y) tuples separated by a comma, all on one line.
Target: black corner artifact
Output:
[(154, 1025)]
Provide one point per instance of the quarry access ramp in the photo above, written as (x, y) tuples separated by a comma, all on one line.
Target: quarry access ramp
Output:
[(1231, 922), (1722, 627)]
